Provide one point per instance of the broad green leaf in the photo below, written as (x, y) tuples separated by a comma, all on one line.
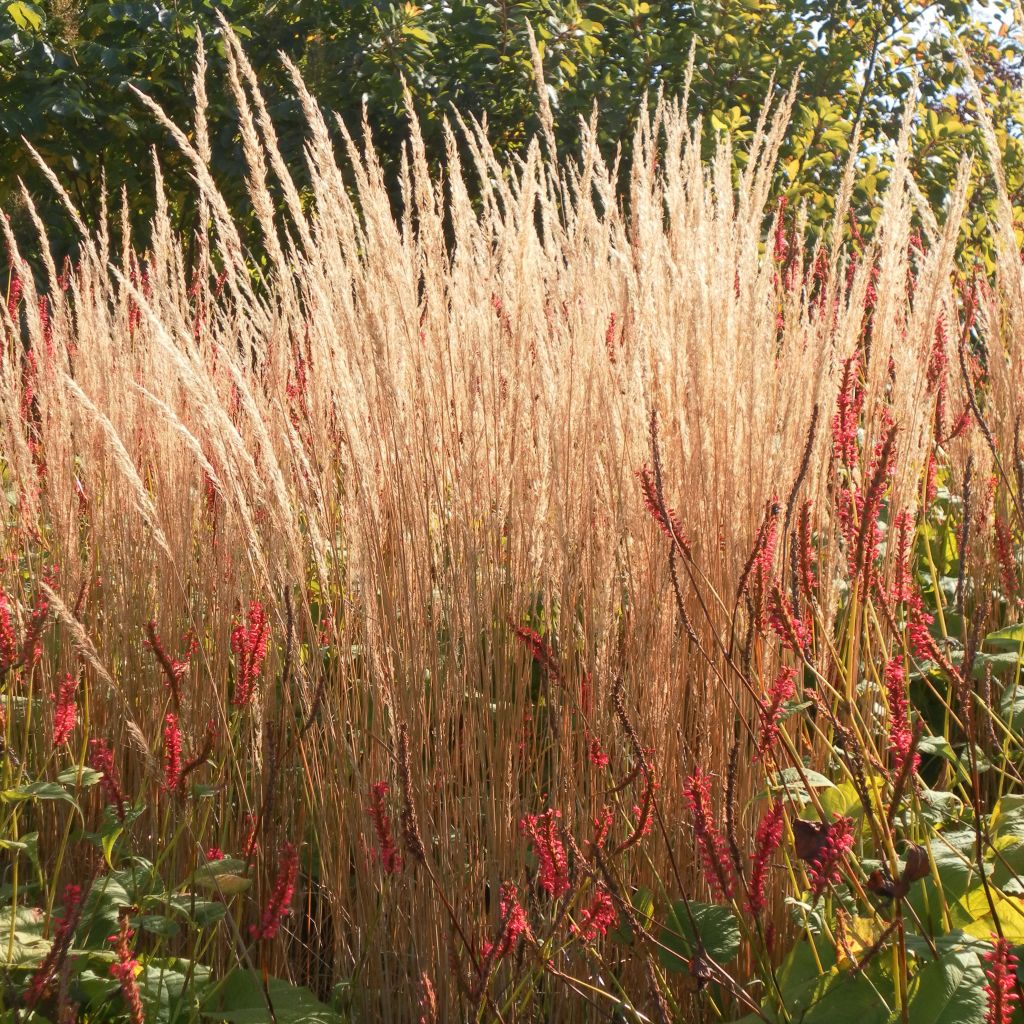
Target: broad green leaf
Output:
[(224, 876), (241, 999), (950, 990), (974, 916), (25, 15), (1008, 636), (716, 926), (850, 998), (21, 936), (76, 776), (38, 791)]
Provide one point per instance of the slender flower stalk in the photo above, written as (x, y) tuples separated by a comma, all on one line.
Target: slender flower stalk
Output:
[(174, 669)]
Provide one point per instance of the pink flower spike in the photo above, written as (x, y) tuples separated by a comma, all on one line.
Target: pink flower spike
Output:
[(597, 918), (172, 753), (65, 711), (279, 905), (1001, 985), (542, 832), (249, 645)]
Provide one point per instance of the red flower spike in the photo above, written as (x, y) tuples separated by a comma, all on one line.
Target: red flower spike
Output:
[(710, 841), (597, 918), (900, 734), (542, 832), (390, 858), (279, 904), (249, 645), (64, 933), (1001, 985), (65, 711), (539, 650), (781, 690), (769, 836), (8, 639), (124, 971), (516, 925), (669, 522), (597, 756), (101, 759), (172, 753)]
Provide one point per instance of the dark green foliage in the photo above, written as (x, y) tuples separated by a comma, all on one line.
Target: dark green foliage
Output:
[(65, 67)]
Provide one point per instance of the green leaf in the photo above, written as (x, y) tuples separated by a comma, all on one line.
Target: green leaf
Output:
[(643, 908), (24, 943), (950, 990), (26, 16), (242, 1000), (716, 927), (225, 876), (38, 791), (850, 999), (1008, 636), (79, 776)]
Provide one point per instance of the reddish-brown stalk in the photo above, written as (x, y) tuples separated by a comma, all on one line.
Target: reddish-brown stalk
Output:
[(409, 820), (173, 669), (204, 754)]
